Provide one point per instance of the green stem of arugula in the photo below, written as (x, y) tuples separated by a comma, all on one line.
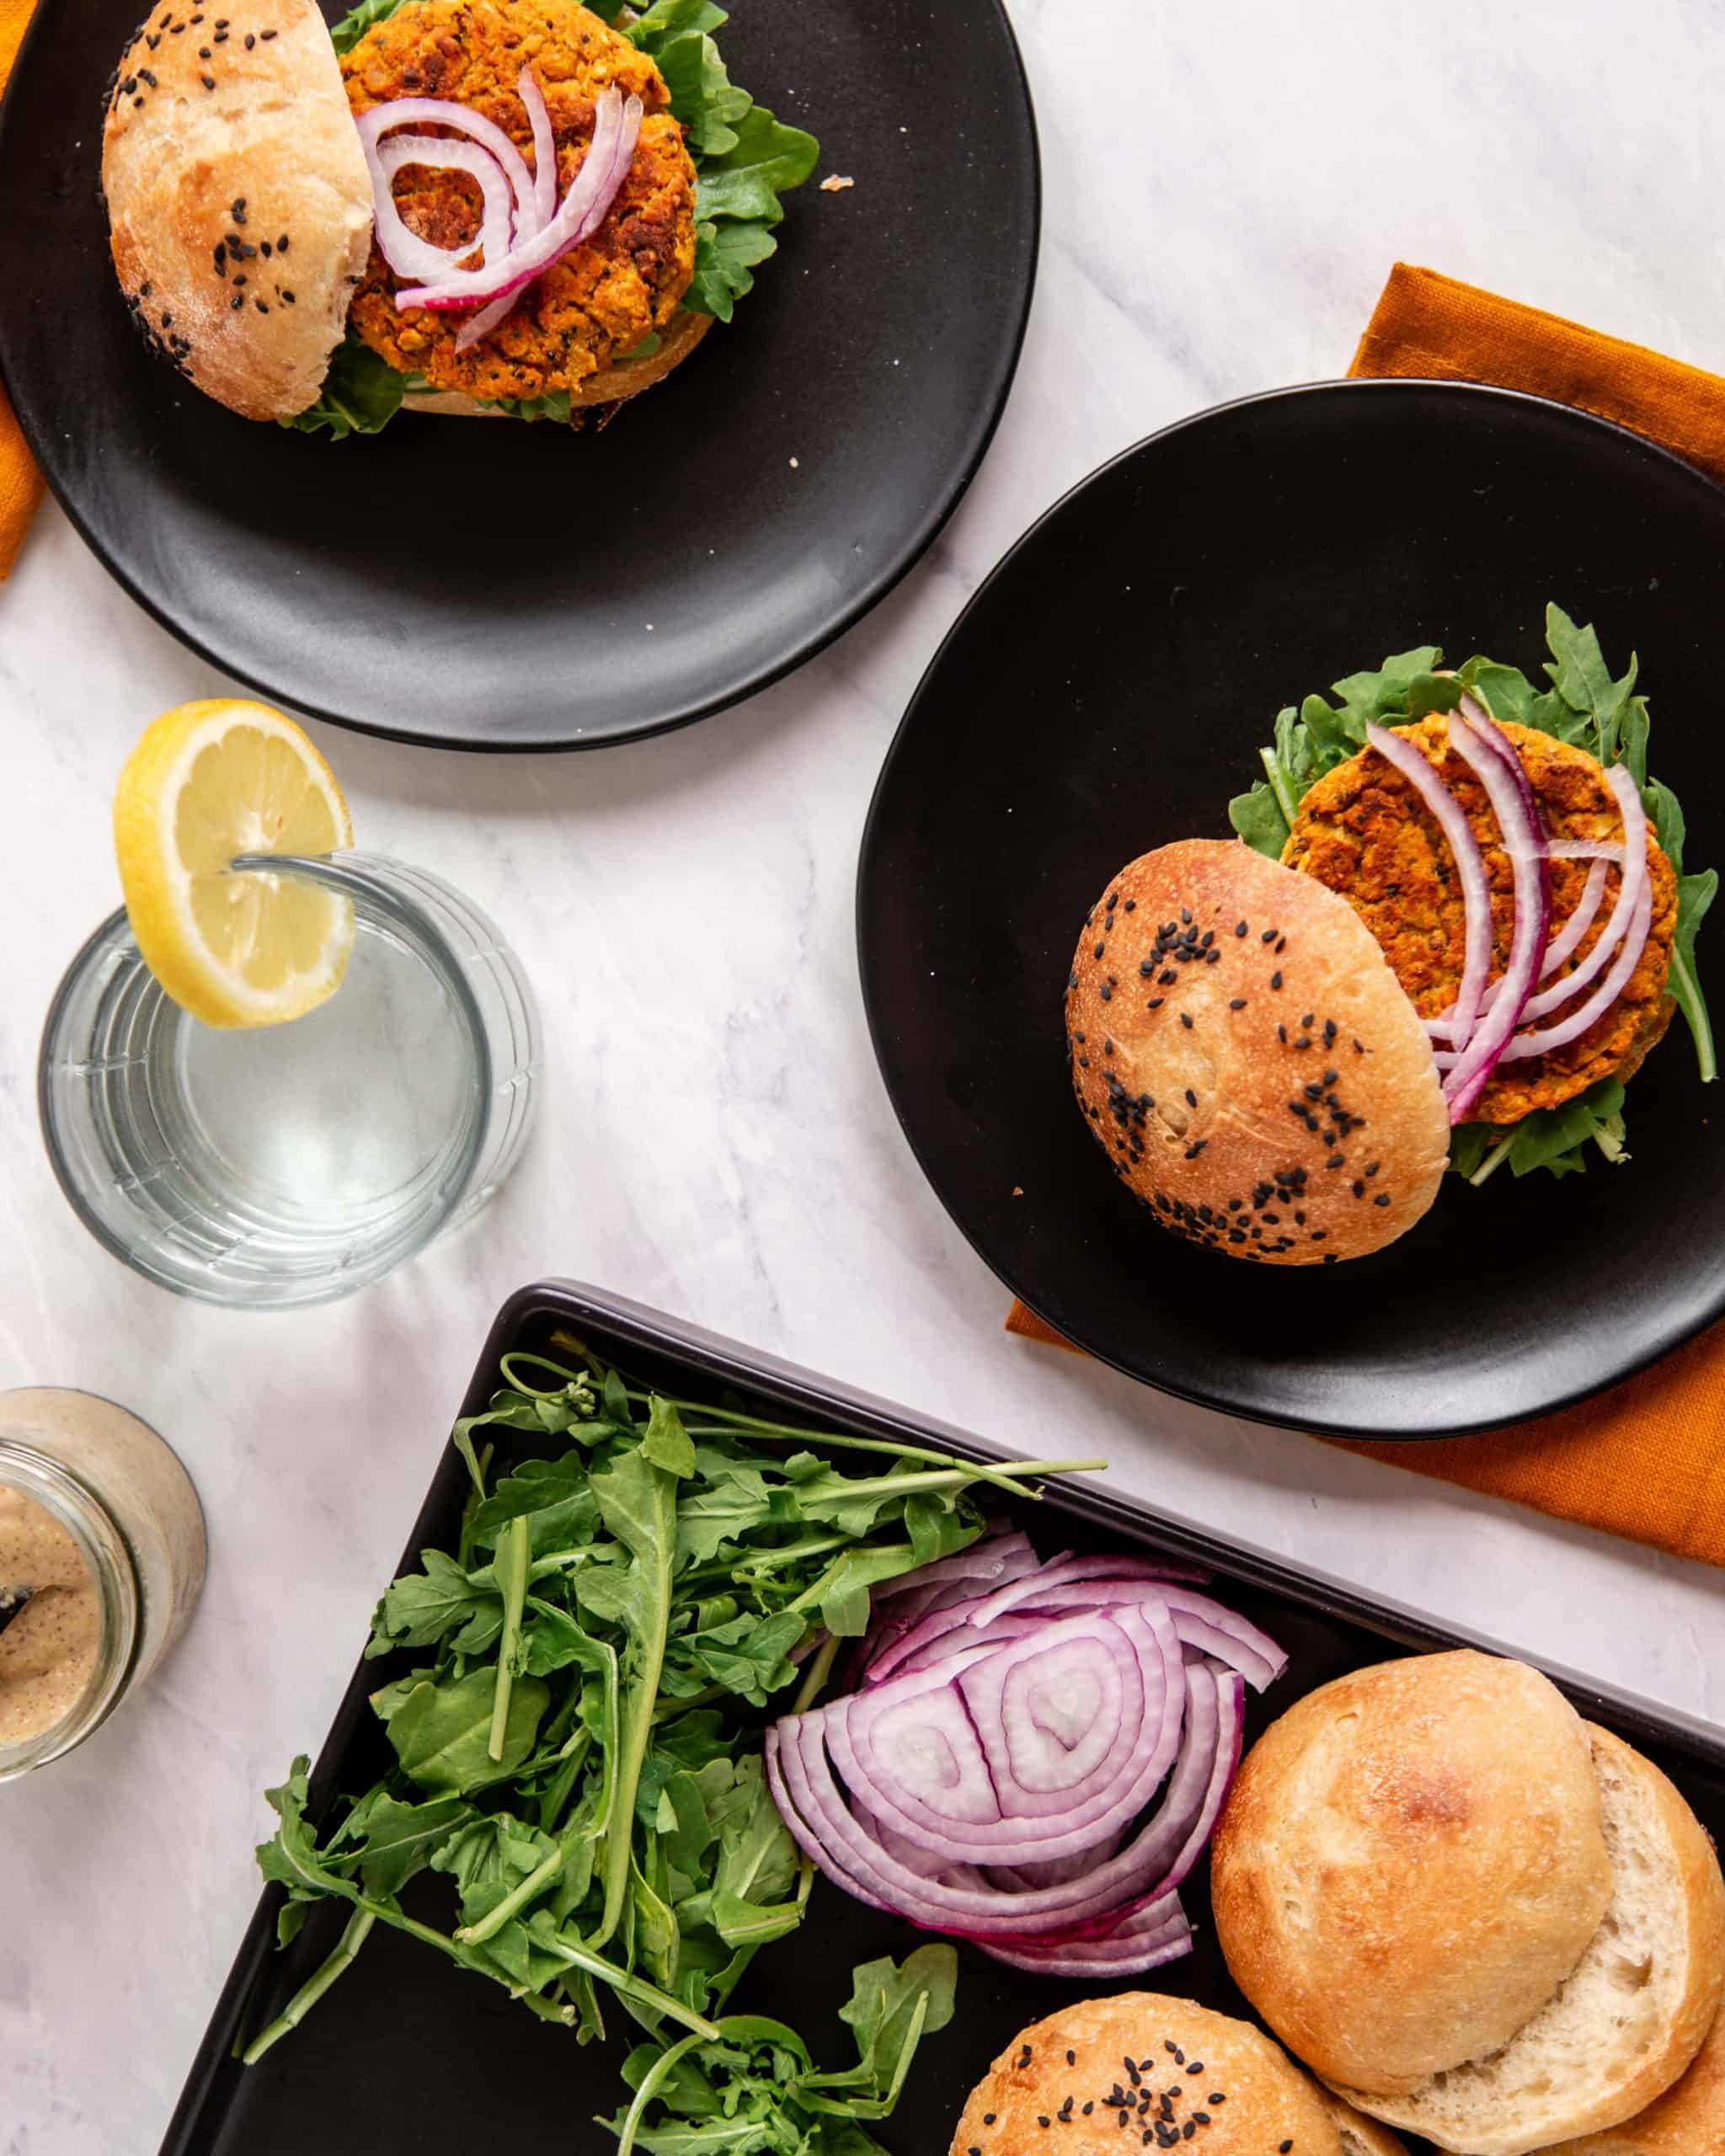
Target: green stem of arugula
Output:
[(816, 1674), (1682, 985), (492, 1923), (651, 2082), (637, 1732), (515, 1595), (1493, 1161), (1278, 786), (353, 1938)]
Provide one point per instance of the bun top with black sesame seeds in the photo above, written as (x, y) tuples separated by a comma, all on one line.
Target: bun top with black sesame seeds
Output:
[(239, 206), (1106, 2076), (1247, 1061)]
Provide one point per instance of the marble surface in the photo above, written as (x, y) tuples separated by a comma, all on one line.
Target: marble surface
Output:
[(1228, 181)]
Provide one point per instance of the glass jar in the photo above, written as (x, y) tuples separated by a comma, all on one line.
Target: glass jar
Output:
[(274, 1166), (87, 1478)]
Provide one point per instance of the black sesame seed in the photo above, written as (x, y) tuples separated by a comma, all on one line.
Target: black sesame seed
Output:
[(1186, 915), (1072, 2056), (1097, 951), (1282, 2147), (281, 244), (988, 2118), (1382, 1198), (1268, 936), (1210, 957), (1372, 1167), (250, 40), (1105, 992), (1186, 1020), (1191, 1098), (238, 302), (1239, 927), (1281, 945), (1154, 1004), (1275, 980), (1167, 979), (1359, 1190), (205, 53), (1236, 1003), (1336, 1160), (1199, 1144), (287, 299)]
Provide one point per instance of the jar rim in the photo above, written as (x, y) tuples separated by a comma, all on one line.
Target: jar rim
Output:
[(101, 1542)]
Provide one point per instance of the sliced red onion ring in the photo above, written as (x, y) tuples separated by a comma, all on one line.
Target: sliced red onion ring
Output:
[(1159, 1932), (405, 252), (1584, 850), (617, 124), (1482, 744), (1631, 884), (1470, 867), (419, 257), (1066, 1568), (1200, 1622), (1153, 1863), (1000, 1785), (1561, 946), (1572, 1028), (544, 146)]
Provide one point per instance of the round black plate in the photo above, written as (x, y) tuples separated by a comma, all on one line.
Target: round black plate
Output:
[(506, 586), (1106, 691)]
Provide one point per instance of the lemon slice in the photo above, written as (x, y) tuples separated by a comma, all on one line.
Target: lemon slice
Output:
[(207, 782)]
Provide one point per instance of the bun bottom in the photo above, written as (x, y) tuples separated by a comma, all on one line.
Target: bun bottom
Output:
[(612, 384)]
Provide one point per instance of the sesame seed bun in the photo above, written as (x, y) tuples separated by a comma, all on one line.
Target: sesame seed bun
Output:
[(1201, 2079), (218, 143), (1248, 1062)]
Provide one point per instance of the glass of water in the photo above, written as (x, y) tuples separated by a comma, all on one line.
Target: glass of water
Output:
[(273, 1167)]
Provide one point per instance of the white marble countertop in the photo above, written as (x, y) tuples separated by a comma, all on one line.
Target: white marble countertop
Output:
[(1228, 181)]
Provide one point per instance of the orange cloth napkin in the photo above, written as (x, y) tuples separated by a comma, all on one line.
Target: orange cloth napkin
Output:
[(20, 483), (1646, 1459)]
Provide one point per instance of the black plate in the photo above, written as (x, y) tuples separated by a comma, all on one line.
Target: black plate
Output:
[(498, 586), (1106, 691), (410, 2057)]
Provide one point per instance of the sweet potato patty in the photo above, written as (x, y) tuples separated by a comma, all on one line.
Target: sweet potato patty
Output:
[(1364, 831), (601, 299)]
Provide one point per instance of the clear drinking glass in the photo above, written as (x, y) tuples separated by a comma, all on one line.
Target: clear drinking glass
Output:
[(274, 1166)]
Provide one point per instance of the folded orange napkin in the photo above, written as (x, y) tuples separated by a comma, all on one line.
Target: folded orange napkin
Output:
[(1646, 1459), (20, 483)]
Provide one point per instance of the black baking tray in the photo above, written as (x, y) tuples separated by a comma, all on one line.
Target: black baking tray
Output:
[(409, 2054)]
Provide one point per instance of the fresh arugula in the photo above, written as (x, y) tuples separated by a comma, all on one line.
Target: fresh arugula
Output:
[(361, 393), (574, 1705), (744, 161), (757, 2088), (1585, 706)]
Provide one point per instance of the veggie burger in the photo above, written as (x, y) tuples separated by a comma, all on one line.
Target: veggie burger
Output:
[(1458, 923), (516, 208)]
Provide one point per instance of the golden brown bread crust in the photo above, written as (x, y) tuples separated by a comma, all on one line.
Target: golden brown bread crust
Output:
[(1409, 1865), (239, 208), (1363, 831), (1362, 2135), (1688, 2120), (1250, 2096), (601, 299), (1268, 1093)]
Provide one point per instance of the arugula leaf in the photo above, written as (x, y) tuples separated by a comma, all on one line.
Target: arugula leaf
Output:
[(440, 1733), (347, 33), (1694, 895), (391, 1840), (361, 392), (421, 1607), (1554, 1138)]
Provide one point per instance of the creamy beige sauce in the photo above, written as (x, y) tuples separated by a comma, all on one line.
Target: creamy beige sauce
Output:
[(49, 1650)]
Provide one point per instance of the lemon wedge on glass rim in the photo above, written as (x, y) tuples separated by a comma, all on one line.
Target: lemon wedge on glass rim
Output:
[(208, 782)]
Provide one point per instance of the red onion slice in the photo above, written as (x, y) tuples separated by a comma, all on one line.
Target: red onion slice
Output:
[(1470, 867), (406, 253), (617, 124), (1199, 1622), (1158, 1934), (1630, 884), (1585, 849), (1572, 1028), (1066, 1568), (1561, 946), (1484, 748), (544, 146), (1152, 1863)]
